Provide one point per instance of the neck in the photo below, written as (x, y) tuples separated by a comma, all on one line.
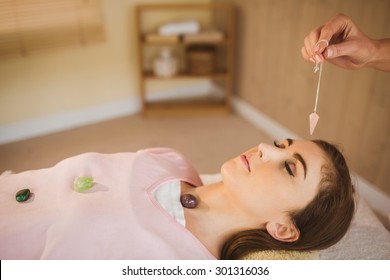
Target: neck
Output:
[(215, 219)]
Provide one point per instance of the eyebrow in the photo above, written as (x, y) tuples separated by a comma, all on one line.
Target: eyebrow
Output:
[(299, 158), (302, 161)]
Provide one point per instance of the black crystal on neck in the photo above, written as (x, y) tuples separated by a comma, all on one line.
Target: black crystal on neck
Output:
[(188, 201)]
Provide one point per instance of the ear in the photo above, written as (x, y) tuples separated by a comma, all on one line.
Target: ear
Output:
[(283, 232)]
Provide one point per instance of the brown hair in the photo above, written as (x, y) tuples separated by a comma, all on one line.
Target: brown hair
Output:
[(322, 223)]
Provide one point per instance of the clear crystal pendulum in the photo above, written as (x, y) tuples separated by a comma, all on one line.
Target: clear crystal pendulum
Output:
[(313, 118)]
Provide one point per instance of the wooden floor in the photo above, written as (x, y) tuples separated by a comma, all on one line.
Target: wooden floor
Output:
[(206, 141)]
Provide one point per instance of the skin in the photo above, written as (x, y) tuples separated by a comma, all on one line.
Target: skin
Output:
[(348, 47), (257, 191)]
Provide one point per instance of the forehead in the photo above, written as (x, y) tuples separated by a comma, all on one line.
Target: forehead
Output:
[(308, 147), (313, 155)]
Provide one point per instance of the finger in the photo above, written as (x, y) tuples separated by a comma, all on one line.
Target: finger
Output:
[(342, 49), (320, 46), (309, 54), (317, 49), (307, 46), (311, 41), (344, 62), (304, 53), (330, 52), (333, 28), (306, 56)]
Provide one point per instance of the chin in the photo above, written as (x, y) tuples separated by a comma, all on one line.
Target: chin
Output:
[(229, 173), (228, 167)]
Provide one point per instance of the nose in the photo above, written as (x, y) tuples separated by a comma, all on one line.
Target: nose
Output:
[(270, 152)]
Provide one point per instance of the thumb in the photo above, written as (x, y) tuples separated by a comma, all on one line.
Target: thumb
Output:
[(341, 49)]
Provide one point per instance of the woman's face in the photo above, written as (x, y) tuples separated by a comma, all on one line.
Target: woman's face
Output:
[(269, 181)]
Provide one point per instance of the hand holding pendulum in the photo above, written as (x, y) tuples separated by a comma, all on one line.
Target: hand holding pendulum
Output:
[(188, 200)]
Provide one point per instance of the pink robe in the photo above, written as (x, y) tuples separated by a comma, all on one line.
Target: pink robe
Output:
[(118, 218)]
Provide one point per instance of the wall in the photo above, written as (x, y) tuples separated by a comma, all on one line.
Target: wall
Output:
[(64, 80), (354, 106)]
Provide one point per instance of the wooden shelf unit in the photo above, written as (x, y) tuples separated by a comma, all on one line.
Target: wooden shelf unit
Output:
[(222, 19)]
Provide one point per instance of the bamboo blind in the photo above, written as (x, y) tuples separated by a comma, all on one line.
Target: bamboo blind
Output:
[(30, 25)]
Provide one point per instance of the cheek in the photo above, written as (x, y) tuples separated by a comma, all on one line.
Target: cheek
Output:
[(234, 175), (268, 184), (261, 191)]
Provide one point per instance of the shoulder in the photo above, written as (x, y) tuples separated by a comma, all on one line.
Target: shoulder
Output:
[(168, 153), (161, 156), (167, 162)]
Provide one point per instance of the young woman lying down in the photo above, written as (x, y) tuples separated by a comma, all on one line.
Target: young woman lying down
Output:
[(152, 204)]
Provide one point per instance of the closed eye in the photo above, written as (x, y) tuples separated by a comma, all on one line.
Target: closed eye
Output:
[(290, 167)]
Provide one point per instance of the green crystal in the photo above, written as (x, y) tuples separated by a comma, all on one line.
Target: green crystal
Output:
[(23, 195), (82, 184)]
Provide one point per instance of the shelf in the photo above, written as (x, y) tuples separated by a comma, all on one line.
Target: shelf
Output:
[(222, 75), (154, 39), (218, 32), (181, 42), (185, 108)]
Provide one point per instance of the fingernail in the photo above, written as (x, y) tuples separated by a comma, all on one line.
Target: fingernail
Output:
[(317, 58), (328, 53)]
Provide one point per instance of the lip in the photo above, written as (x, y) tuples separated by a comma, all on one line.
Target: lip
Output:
[(244, 159)]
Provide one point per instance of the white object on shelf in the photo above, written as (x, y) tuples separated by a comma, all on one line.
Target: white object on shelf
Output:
[(166, 65), (184, 27)]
